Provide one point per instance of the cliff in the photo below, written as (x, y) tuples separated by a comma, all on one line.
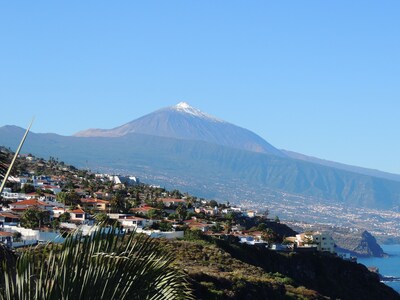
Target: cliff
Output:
[(359, 244), (221, 269)]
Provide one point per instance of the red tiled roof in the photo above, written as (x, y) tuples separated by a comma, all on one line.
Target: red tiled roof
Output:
[(143, 209), (4, 233), (77, 211), (8, 215), (93, 200), (30, 202)]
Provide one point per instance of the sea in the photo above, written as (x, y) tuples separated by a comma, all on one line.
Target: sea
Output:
[(388, 266)]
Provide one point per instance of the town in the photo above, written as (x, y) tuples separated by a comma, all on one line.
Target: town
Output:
[(47, 199)]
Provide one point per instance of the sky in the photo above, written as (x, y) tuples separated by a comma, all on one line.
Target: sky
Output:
[(317, 77)]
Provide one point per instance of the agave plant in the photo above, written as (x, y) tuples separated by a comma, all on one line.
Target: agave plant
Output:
[(104, 265)]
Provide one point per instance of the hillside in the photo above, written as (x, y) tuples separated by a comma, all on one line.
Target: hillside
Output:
[(210, 170), (355, 169), (223, 270)]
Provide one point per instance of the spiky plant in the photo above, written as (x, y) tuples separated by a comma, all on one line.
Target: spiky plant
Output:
[(104, 265)]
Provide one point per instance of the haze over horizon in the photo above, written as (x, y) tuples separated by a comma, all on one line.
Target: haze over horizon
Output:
[(317, 78)]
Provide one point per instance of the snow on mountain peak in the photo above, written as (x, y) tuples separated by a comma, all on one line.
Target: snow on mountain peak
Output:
[(183, 105), (186, 108)]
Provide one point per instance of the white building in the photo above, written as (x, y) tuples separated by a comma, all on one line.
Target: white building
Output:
[(323, 241)]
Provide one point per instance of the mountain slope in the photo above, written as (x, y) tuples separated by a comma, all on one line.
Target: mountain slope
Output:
[(355, 169), (185, 122), (210, 170)]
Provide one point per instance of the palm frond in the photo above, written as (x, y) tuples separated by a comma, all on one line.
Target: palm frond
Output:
[(4, 164), (105, 265), (10, 166)]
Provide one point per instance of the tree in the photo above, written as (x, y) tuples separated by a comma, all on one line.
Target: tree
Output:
[(181, 211), (154, 213), (64, 217), (116, 266), (33, 218), (68, 198), (270, 236), (277, 220), (261, 226), (101, 218), (28, 188), (216, 228), (165, 226), (213, 203)]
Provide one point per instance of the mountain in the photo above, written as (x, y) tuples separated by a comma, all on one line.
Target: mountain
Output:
[(210, 170), (328, 163), (185, 122)]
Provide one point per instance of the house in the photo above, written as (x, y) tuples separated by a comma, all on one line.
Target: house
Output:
[(211, 211), (144, 210), (132, 223), (118, 179), (252, 238), (6, 238), (322, 241), (7, 194), (77, 215), (30, 203), (57, 212), (48, 197), (95, 204), (207, 210), (53, 188), (8, 218), (168, 202), (32, 196), (250, 213), (196, 225), (101, 195)]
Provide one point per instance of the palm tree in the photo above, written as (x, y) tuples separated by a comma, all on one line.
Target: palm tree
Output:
[(105, 265)]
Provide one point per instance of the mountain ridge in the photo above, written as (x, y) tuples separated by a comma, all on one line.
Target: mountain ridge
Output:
[(185, 122)]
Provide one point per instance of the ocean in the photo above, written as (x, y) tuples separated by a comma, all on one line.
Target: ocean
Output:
[(388, 266)]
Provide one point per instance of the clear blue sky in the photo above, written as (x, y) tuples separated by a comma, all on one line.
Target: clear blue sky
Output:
[(317, 77)]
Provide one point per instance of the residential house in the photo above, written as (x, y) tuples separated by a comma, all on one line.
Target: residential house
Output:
[(168, 202), (132, 223), (32, 196), (31, 203), (48, 197), (53, 188), (6, 238), (250, 213), (196, 225), (102, 195), (95, 204), (7, 194), (143, 210), (322, 241), (8, 218), (207, 210), (77, 215)]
